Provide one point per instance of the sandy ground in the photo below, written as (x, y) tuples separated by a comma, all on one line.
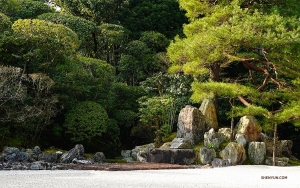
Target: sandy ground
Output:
[(231, 177)]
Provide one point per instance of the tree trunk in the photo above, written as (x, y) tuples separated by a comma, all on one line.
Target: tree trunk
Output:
[(232, 120), (215, 71), (274, 144)]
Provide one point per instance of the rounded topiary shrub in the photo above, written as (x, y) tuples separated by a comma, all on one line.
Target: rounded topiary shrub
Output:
[(85, 121)]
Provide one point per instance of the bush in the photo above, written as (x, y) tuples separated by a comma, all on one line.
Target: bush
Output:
[(85, 121)]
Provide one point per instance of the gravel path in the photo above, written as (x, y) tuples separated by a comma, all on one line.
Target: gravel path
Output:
[(227, 177)]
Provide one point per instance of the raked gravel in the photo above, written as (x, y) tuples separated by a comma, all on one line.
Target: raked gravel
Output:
[(227, 177)]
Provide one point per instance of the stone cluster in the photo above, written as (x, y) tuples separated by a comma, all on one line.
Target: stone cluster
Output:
[(246, 141), (12, 158)]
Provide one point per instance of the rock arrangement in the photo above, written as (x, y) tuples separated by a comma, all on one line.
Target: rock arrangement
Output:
[(12, 158), (194, 125)]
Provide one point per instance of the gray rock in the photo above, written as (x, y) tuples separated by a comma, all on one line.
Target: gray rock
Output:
[(172, 156), (250, 128), (264, 136), (213, 139), (50, 158), (99, 157), (221, 163), (209, 111), (76, 152), (191, 124), (12, 154), (180, 143), (36, 151), (142, 156), (40, 165), (76, 161), (226, 132), (126, 155), (240, 139), (279, 161), (145, 148), (286, 146), (269, 146), (235, 152), (257, 152), (207, 155)]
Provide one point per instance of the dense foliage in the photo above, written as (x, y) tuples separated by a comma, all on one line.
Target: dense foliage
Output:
[(115, 74)]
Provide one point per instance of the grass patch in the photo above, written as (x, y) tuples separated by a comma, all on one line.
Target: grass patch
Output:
[(52, 150), (169, 138), (294, 163), (89, 155)]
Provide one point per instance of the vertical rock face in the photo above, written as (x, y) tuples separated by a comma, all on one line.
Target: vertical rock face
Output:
[(234, 152), (207, 155), (250, 128), (191, 124), (257, 152), (209, 111), (286, 146)]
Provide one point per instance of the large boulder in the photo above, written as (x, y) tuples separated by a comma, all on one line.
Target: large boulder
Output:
[(234, 152), (180, 143), (207, 155), (209, 111), (286, 147), (76, 152), (191, 124), (172, 156), (213, 139), (250, 128), (257, 152), (269, 147)]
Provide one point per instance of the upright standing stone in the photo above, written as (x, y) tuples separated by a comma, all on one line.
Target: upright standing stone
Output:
[(257, 152), (191, 124), (209, 111), (250, 128)]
